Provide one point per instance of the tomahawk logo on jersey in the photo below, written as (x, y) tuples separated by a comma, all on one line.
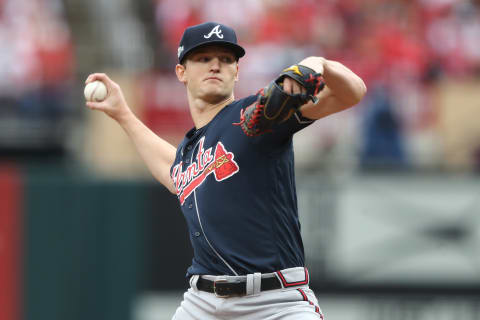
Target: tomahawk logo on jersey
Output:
[(222, 165), (226, 191)]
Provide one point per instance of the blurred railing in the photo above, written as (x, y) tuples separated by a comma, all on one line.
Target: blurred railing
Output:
[(91, 245), (392, 233)]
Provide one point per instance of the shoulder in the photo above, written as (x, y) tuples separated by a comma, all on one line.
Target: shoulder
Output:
[(245, 102), (234, 109)]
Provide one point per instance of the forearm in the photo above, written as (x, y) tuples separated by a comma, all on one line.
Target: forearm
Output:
[(343, 88), (157, 153), (345, 85)]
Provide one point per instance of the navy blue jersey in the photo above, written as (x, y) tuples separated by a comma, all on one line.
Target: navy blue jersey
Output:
[(238, 195)]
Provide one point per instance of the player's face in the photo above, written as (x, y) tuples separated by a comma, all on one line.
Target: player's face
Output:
[(210, 73)]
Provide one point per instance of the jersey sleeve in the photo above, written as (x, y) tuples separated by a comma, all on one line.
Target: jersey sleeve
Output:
[(282, 133), (294, 124)]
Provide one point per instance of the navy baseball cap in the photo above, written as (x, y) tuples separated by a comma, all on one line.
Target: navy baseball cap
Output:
[(208, 33)]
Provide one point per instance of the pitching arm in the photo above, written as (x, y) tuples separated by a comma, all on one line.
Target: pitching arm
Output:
[(157, 153)]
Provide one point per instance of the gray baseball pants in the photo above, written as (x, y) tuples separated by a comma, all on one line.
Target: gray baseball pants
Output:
[(290, 302)]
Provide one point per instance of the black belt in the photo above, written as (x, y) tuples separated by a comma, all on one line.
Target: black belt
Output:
[(224, 288)]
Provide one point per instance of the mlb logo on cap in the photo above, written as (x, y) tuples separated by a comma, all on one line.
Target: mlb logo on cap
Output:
[(209, 33)]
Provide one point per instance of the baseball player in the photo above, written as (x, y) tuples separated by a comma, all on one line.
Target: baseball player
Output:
[(233, 174)]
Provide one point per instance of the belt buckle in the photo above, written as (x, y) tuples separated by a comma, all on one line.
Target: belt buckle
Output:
[(215, 288)]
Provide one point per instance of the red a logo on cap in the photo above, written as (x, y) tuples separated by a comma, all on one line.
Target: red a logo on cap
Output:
[(217, 31)]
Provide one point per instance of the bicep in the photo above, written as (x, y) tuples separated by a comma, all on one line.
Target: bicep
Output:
[(327, 104), (162, 170), (170, 186), (166, 179)]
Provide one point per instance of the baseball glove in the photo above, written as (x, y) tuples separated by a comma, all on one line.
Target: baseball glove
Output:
[(274, 105)]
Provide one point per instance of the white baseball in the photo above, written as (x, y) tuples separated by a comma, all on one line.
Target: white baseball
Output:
[(95, 91)]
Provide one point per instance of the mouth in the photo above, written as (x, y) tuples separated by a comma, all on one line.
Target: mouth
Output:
[(212, 78)]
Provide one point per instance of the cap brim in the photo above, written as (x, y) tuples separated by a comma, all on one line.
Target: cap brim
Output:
[(238, 50)]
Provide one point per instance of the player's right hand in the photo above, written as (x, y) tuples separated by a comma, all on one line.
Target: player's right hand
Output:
[(114, 104)]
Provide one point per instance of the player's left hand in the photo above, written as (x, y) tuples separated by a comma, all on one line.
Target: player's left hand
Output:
[(292, 87)]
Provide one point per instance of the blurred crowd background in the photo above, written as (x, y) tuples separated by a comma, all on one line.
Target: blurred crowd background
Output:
[(408, 155), (415, 56), (420, 59)]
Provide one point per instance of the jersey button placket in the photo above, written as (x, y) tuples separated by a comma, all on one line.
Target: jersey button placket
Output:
[(190, 206), (197, 234)]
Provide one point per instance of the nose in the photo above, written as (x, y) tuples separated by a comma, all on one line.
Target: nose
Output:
[(215, 64)]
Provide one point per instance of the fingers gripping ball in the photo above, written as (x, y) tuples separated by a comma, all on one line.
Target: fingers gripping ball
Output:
[(95, 91)]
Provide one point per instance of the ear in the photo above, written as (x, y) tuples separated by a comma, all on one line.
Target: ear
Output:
[(236, 73), (180, 72)]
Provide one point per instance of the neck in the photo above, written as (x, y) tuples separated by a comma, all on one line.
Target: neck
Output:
[(203, 112)]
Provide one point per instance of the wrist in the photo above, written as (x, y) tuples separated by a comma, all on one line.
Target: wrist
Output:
[(125, 116), (315, 63)]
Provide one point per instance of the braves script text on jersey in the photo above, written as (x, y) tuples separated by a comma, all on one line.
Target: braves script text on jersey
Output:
[(238, 196)]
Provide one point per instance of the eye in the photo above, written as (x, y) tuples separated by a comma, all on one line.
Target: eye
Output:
[(227, 59), (202, 58)]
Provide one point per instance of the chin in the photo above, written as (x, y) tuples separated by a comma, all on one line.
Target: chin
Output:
[(216, 97)]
